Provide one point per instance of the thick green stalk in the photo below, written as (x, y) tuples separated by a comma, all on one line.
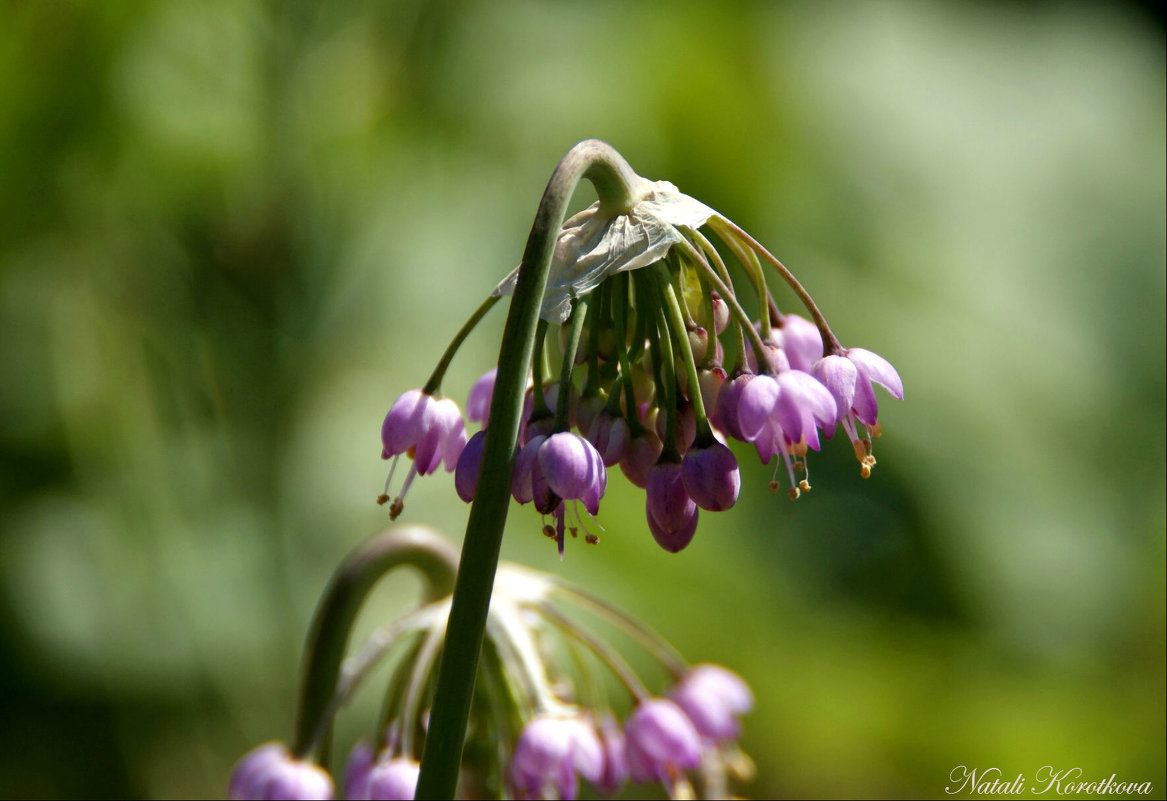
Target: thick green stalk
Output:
[(324, 651), (615, 184)]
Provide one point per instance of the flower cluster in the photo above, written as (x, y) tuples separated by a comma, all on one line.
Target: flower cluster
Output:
[(660, 368), (544, 715)]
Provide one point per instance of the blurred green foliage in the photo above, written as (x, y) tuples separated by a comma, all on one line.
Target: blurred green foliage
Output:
[(232, 232)]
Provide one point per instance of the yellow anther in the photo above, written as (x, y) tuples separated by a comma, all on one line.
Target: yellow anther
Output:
[(865, 471), (804, 485), (395, 508), (869, 460), (382, 499), (794, 493), (591, 539)]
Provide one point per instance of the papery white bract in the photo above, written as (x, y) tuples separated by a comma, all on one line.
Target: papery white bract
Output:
[(594, 245)]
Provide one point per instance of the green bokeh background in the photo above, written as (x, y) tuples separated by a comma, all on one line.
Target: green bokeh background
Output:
[(231, 233)]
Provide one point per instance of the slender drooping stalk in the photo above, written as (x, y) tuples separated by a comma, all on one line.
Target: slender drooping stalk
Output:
[(615, 182)]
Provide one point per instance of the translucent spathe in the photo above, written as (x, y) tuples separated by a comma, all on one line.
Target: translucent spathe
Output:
[(592, 246)]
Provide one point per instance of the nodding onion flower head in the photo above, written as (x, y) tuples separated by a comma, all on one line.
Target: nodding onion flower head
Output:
[(428, 430), (540, 732), (639, 285), (270, 771)]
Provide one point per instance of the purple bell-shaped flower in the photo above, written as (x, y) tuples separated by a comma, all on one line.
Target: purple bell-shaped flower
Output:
[(660, 741), (549, 754), (430, 431), (714, 698), (270, 772)]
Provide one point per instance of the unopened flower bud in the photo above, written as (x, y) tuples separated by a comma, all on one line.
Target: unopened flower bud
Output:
[(711, 477), (672, 514)]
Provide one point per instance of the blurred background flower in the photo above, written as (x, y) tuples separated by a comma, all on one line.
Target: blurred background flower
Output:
[(232, 232)]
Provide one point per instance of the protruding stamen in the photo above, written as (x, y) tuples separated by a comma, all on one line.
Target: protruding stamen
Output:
[(384, 496), (860, 450), (790, 470), (865, 471), (559, 528), (399, 504), (773, 485), (591, 539), (794, 493), (804, 485), (549, 531)]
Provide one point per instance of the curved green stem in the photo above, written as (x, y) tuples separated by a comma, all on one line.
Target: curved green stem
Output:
[(591, 386), (731, 301), (615, 183), (653, 642), (332, 623), (830, 341), (666, 379), (620, 309), (753, 267), (439, 372), (563, 403), (672, 309), (723, 271), (539, 408), (598, 647)]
